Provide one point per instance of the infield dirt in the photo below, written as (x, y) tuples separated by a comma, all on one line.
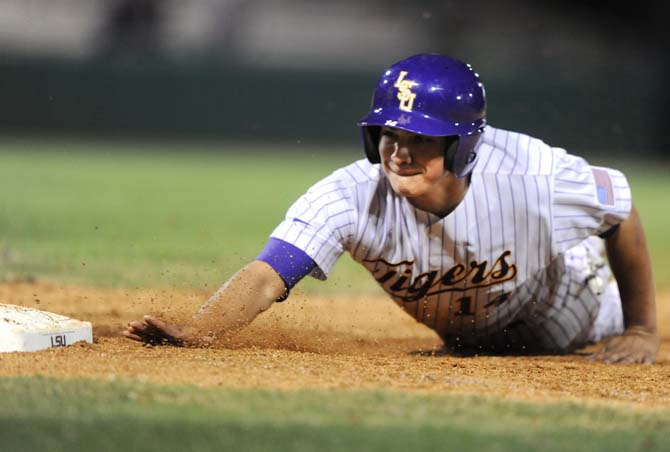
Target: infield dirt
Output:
[(359, 342)]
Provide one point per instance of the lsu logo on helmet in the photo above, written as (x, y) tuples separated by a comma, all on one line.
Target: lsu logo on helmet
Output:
[(405, 94), (436, 96)]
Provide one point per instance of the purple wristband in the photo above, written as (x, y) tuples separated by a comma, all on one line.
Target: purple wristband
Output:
[(290, 262)]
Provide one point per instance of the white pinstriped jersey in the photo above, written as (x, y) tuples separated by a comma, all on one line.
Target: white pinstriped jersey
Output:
[(492, 272)]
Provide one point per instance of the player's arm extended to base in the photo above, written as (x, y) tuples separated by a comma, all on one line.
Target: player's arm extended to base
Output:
[(246, 294), (631, 264)]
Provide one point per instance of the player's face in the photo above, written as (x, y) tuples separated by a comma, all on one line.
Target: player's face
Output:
[(413, 163)]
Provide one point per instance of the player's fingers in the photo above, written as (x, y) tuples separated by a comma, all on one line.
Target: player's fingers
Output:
[(137, 325), (158, 323), (608, 347), (617, 347), (166, 329), (141, 328), (131, 330), (598, 357), (145, 332), (166, 333), (151, 320), (605, 356), (641, 357), (618, 358), (602, 354), (612, 356), (630, 359), (595, 357), (132, 336)]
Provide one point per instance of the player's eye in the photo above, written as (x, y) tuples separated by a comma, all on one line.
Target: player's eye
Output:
[(388, 134)]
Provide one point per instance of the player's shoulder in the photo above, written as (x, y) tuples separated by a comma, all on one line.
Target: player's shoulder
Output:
[(359, 173), (505, 152)]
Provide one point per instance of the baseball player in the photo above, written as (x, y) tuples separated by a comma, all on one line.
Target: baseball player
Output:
[(492, 238)]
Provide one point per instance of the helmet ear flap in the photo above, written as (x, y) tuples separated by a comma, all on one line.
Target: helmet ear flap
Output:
[(450, 152), (465, 157), (371, 136)]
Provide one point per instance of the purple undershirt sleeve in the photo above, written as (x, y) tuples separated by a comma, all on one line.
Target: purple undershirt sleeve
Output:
[(291, 263)]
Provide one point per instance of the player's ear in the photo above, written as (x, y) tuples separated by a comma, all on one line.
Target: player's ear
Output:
[(450, 152)]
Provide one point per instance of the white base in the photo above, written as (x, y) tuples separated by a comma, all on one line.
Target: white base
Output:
[(28, 330)]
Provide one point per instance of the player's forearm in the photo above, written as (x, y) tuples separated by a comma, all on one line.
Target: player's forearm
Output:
[(631, 264), (246, 294)]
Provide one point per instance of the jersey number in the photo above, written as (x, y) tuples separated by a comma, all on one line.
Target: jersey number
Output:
[(466, 304)]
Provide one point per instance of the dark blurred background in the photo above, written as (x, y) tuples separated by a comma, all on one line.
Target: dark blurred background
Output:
[(588, 76)]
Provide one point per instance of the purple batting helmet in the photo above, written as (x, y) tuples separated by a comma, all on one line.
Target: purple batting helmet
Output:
[(432, 95)]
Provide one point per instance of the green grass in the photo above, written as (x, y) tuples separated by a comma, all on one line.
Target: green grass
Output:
[(60, 415), (120, 214), (651, 190), (127, 215)]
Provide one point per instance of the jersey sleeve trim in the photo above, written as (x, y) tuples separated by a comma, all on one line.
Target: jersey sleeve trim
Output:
[(290, 262)]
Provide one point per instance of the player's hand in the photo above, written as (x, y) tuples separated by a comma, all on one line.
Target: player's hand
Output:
[(155, 331), (636, 345)]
